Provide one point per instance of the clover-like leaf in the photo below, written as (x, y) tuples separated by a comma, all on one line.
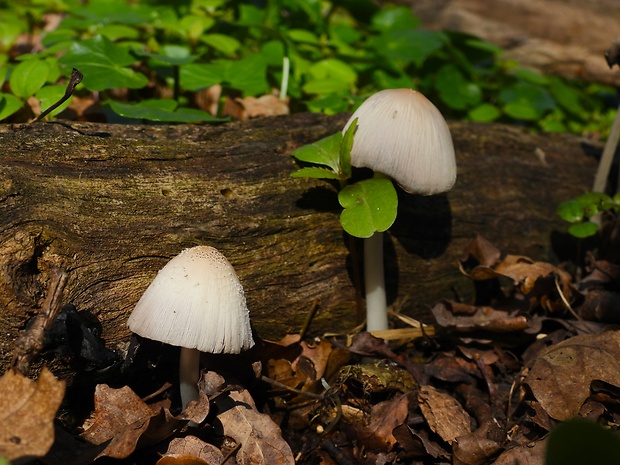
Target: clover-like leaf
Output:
[(583, 230), (369, 206)]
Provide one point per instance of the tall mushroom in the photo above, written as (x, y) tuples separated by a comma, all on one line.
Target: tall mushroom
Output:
[(196, 302), (402, 135)]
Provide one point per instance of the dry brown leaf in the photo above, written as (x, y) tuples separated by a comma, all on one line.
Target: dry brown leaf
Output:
[(191, 451), (480, 318), (27, 411), (317, 355), (443, 413), (534, 279), (252, 107), (532, 454), (561, 376), (477, 447), (259, 438), (123, 419), (482, 251), (384, 418)]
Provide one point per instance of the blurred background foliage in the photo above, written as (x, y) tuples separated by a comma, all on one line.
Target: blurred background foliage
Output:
[(156, 60)]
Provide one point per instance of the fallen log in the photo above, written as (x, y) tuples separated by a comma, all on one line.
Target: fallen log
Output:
[(110, 205)]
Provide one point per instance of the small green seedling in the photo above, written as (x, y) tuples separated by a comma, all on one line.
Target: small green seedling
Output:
[(369, 205), (580, 210)]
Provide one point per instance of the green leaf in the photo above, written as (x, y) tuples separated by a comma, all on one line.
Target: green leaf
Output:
[(369, 206), (484, 113), (580, 441), (394, 18), (28, 77), (413, 45), (103, 64), (571, 211), (323, 152), (455, 90), (198, 76), (326, 86), (315, 172), (162, 110), (226, 44), (583, 230), (332, 68), (345, 150), (9, 104), (568, 97), (526, 101)]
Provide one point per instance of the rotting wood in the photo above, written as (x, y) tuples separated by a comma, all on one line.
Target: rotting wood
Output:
[(112, 204)]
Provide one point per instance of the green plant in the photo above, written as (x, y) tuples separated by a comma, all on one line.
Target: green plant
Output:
[(330, 54), (331, 158), (579, 441), (580, 210)]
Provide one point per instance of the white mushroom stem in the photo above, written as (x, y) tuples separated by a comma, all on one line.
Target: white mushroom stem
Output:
[(374, 281), (189, 371)]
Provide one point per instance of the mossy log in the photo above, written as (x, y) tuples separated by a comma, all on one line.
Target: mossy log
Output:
[(110, 205)]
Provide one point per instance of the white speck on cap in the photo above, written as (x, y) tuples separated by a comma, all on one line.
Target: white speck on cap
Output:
[(195, 301), (401, 134)]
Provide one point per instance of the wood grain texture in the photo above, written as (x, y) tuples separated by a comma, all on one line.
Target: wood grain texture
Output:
[(112, 204)]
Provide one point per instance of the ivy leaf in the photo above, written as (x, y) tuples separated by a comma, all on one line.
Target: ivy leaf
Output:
[(323, 152), (369, 206)]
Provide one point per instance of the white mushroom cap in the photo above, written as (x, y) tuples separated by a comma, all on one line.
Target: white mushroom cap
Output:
[(195, 301), (401, 134)]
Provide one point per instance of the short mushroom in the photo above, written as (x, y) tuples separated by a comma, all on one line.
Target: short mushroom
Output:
[(402, 135), (196, 302)]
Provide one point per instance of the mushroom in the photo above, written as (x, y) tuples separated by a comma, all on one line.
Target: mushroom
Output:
[(196, 302), (402, 135)]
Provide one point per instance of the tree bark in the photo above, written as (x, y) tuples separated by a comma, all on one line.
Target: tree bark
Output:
[(110, 205)]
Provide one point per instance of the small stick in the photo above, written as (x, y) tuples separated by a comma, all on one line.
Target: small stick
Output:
[(74, 80), (31, 341)]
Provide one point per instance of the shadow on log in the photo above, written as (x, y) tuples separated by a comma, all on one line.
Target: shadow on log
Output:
[(112, 204)]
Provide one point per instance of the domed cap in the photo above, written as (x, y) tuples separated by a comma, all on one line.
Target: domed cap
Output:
[(401, 134), (195, 301)]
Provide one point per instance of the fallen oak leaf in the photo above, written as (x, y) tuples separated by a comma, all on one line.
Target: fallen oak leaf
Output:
[(27, 411), (561, 376), (259, 438)]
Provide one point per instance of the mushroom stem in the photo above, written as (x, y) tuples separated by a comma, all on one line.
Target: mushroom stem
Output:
[(189, 370), (374, 281)]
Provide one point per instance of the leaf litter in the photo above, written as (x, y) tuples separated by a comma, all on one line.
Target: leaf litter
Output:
[(485, 385)]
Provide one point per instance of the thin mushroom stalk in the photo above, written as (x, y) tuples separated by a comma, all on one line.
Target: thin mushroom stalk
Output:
[(374, 282), (189, 372)]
